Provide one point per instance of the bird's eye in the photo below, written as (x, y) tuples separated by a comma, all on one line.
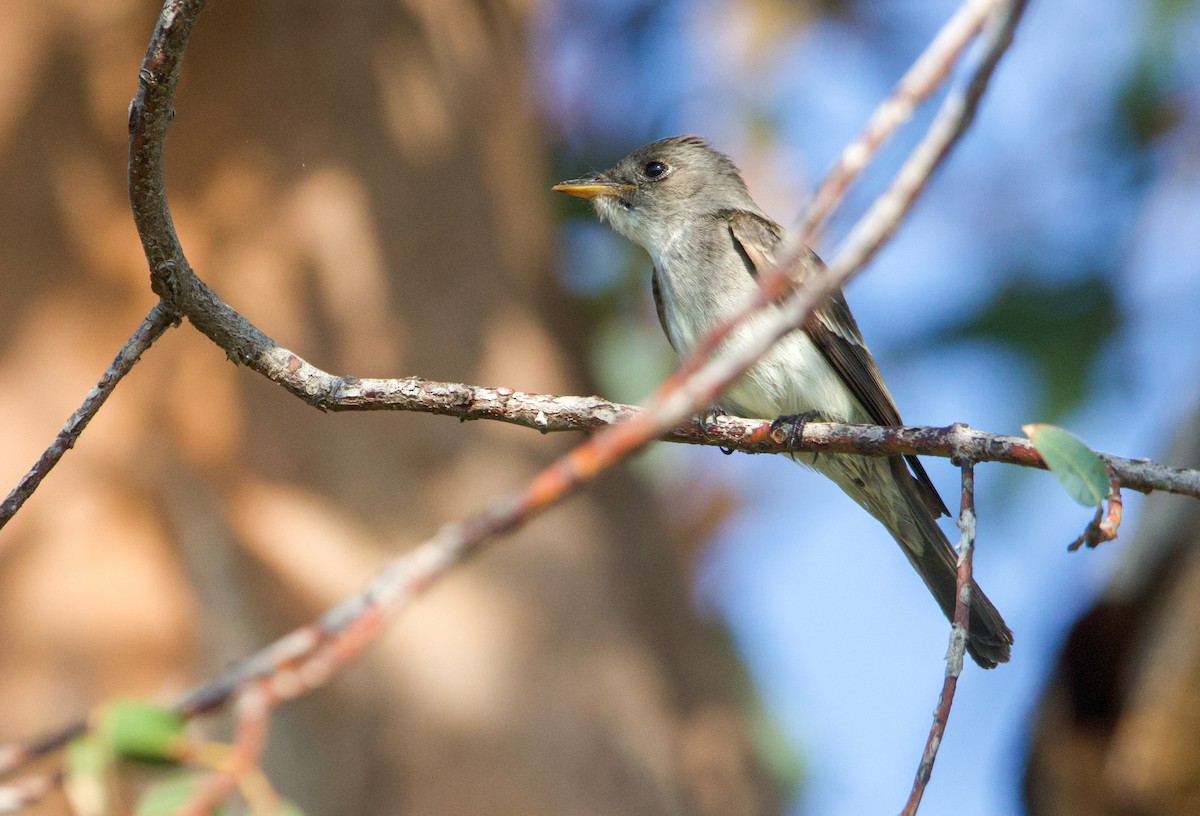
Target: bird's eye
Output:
[(654, 169)]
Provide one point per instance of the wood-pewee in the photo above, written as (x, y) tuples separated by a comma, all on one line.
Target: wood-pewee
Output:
[(686, 205)]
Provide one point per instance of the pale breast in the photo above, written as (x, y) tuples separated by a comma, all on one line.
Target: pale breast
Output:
[(793, 378), (702, 281)]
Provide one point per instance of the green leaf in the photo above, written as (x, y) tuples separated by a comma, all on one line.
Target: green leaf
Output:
[(1076, 466), (140, 731), (168, 796)]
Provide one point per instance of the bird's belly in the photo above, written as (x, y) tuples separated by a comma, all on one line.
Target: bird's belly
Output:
[(793, 377)]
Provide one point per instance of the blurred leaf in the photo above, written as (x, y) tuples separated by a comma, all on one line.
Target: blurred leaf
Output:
[(1150, 100), (1075, 465), (87, 763), (140, 731), (629, 358), (168, 796), (1144, 106), (1061, 326)]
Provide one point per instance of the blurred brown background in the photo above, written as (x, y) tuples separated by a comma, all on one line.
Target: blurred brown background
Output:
[(366, 182)]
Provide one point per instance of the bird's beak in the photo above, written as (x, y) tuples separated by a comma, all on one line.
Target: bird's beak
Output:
[(592, 187)]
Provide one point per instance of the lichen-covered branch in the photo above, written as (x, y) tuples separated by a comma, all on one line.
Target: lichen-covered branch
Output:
[(549, 413)]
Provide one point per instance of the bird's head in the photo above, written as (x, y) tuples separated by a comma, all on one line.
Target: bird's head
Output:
[(648, 195)]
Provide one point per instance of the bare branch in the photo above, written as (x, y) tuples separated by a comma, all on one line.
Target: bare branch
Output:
[(925, 76), (1103, 526), (953, 118), (958, 640), (152, 327), (150, 114), (549, 413)]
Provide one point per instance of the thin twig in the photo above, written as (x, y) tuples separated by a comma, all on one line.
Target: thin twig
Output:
[(953, 118), (958, 640), (152, 327), (253, 720), (150, 115), (1103, 526), (924, 77)]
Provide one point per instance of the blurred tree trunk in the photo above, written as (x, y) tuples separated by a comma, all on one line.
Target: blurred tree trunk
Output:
[(1118, 729), (366, 182)]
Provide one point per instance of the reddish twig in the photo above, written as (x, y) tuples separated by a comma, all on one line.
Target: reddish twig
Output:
[(304, 659), (958, 640), (152, 327), (925, 76), (253, 719), (1103, 526), (953, 118)]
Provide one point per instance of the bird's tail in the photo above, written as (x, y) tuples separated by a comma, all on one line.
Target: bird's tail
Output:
[(886, 489)]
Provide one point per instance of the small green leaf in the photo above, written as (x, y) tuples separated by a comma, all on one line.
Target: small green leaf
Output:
[(1075, 465), (140, 731), (168, 796)]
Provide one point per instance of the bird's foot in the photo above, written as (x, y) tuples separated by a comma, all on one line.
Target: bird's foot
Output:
[(708, 423), (794, 424)]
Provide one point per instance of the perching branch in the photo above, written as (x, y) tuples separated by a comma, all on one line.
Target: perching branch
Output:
[(549, 413)]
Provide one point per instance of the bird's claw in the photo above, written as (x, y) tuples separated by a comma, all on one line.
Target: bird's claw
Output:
[(795, 426), (708, 422), (708, 418)]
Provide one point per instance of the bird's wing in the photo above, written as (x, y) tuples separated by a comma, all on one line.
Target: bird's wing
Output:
[(834, 332), (660, 308)]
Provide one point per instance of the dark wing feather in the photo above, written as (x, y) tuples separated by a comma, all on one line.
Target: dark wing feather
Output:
[(661, 308), (835, 333)]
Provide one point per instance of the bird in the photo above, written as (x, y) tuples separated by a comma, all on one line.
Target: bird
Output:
[(687, 205)]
